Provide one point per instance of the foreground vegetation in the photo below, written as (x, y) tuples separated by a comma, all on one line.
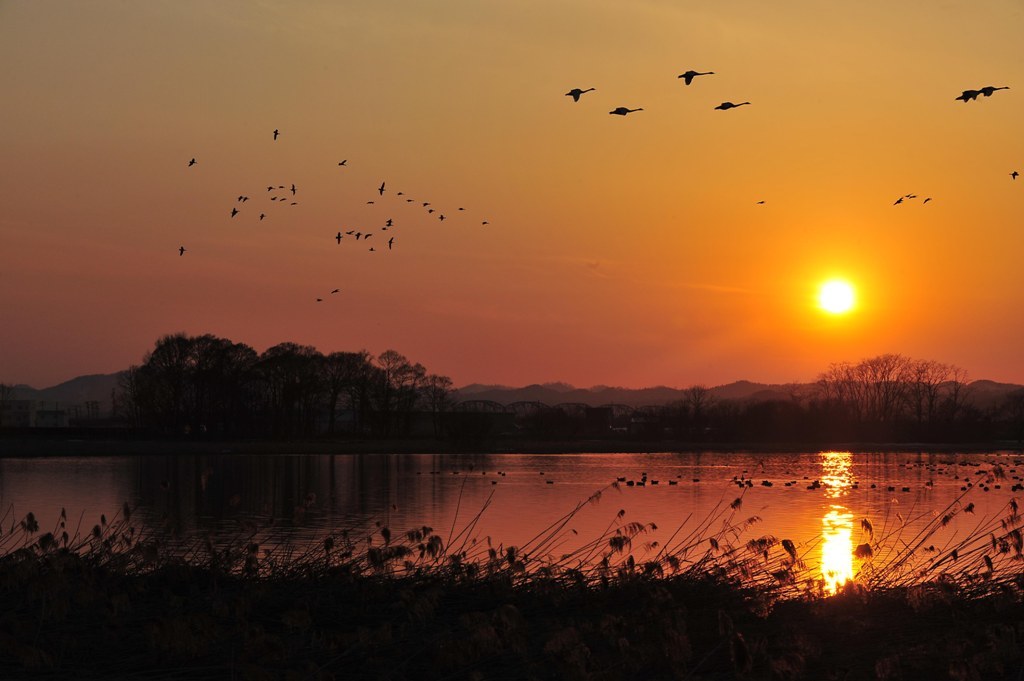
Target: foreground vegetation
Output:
[(708, 603)]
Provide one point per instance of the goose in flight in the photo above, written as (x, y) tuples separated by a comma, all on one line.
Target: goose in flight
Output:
[(725, 106), (989, 89), (926, 200), (341, 163), (381, 189), (262, 215), (191, 163), (276, 133), (390, 241), (293, 189), (337, 290), (898, 201), (691, 74), (1013, 175), (234, 212), (319, 300), (622, 111), (968, 95), (181, 250), (338, 237), (576, 92)]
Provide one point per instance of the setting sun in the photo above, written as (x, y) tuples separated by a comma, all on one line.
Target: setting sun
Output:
[(836, 297)]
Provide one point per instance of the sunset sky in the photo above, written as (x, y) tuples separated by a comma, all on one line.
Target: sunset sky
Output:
[(624, 251)]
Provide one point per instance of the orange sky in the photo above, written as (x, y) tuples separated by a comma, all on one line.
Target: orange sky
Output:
[(625, 251)]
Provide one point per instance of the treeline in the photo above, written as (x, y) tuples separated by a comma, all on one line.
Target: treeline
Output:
[(205, 385), (888, 398), (208, 385)]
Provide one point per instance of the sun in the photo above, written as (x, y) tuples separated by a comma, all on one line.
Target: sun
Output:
[(836, 297)]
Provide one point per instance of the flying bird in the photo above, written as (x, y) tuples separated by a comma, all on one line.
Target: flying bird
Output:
[(319, 300), (341, 163), (191, 163), (989, 89), (725, 106), (338, 237), (381, 189), (441, 217), (622, 111), (293, 189), (389, 222), (181, 250), (898, 201), (390, 241), (926, 200), (234, 212), (968, 95), (484, 223), (262, 215), (1013, 175), (690, 75), (576, 92), (337, 290), (760, 203), (276, 133)]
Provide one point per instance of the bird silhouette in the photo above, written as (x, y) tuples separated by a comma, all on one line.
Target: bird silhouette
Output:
[(381, 189), (191, 163), (350, 232), (262, 215), (234, 212), (389, 222), (338, 237), (926, 200), (293, 189), (369, 203), (337, 290), (690, 75), (898, 201), (276, 133), (341, 163), (576, 92), (441, 217), (725, 106), (358, 235), (968, 95), (270, 189), (390, 241), (319, 300), (760, 203), (181, 250), (989, 89), (484, 223), (622, 111), (1013, 175)]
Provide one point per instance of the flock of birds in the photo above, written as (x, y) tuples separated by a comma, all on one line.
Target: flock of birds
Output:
[(688, 76), (283, 194)]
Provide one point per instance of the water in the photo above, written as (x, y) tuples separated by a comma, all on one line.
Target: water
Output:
[(303, 498)]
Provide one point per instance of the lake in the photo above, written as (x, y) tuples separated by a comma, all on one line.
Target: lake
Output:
[(815, 499)]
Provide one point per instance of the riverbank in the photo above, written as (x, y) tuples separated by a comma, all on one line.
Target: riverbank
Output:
[(82, 447)]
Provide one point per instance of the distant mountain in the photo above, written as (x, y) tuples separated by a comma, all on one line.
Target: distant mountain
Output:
[(982, 393), (77, 391), (558, 393)]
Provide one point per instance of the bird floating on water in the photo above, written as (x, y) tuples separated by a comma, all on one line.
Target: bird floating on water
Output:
[(622, 111), (725, 106), (576, 92), (691, 74)]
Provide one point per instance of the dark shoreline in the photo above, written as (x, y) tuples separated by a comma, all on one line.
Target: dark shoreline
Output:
[(47, 447)]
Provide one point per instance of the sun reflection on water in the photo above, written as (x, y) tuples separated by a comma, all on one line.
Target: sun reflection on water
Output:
[(837, 524)]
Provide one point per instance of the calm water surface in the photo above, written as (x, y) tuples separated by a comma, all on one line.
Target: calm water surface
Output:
[(302, 498)]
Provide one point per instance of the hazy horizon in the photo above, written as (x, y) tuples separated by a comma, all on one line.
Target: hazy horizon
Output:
[(678, 245)]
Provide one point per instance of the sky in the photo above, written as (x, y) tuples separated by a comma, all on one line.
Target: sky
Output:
[(629, 251)]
